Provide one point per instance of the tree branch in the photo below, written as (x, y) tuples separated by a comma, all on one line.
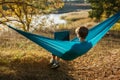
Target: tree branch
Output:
[(11, 2)]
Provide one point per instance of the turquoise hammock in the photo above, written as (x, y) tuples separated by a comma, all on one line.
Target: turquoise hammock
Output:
[(69, 50)]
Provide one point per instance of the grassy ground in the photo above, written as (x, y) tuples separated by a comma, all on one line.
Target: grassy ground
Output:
[(21, 59)]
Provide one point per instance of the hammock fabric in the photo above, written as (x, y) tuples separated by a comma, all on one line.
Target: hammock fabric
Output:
[(69, 50)]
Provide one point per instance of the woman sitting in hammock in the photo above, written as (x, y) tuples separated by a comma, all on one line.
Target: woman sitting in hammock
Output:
[(81, 33)]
